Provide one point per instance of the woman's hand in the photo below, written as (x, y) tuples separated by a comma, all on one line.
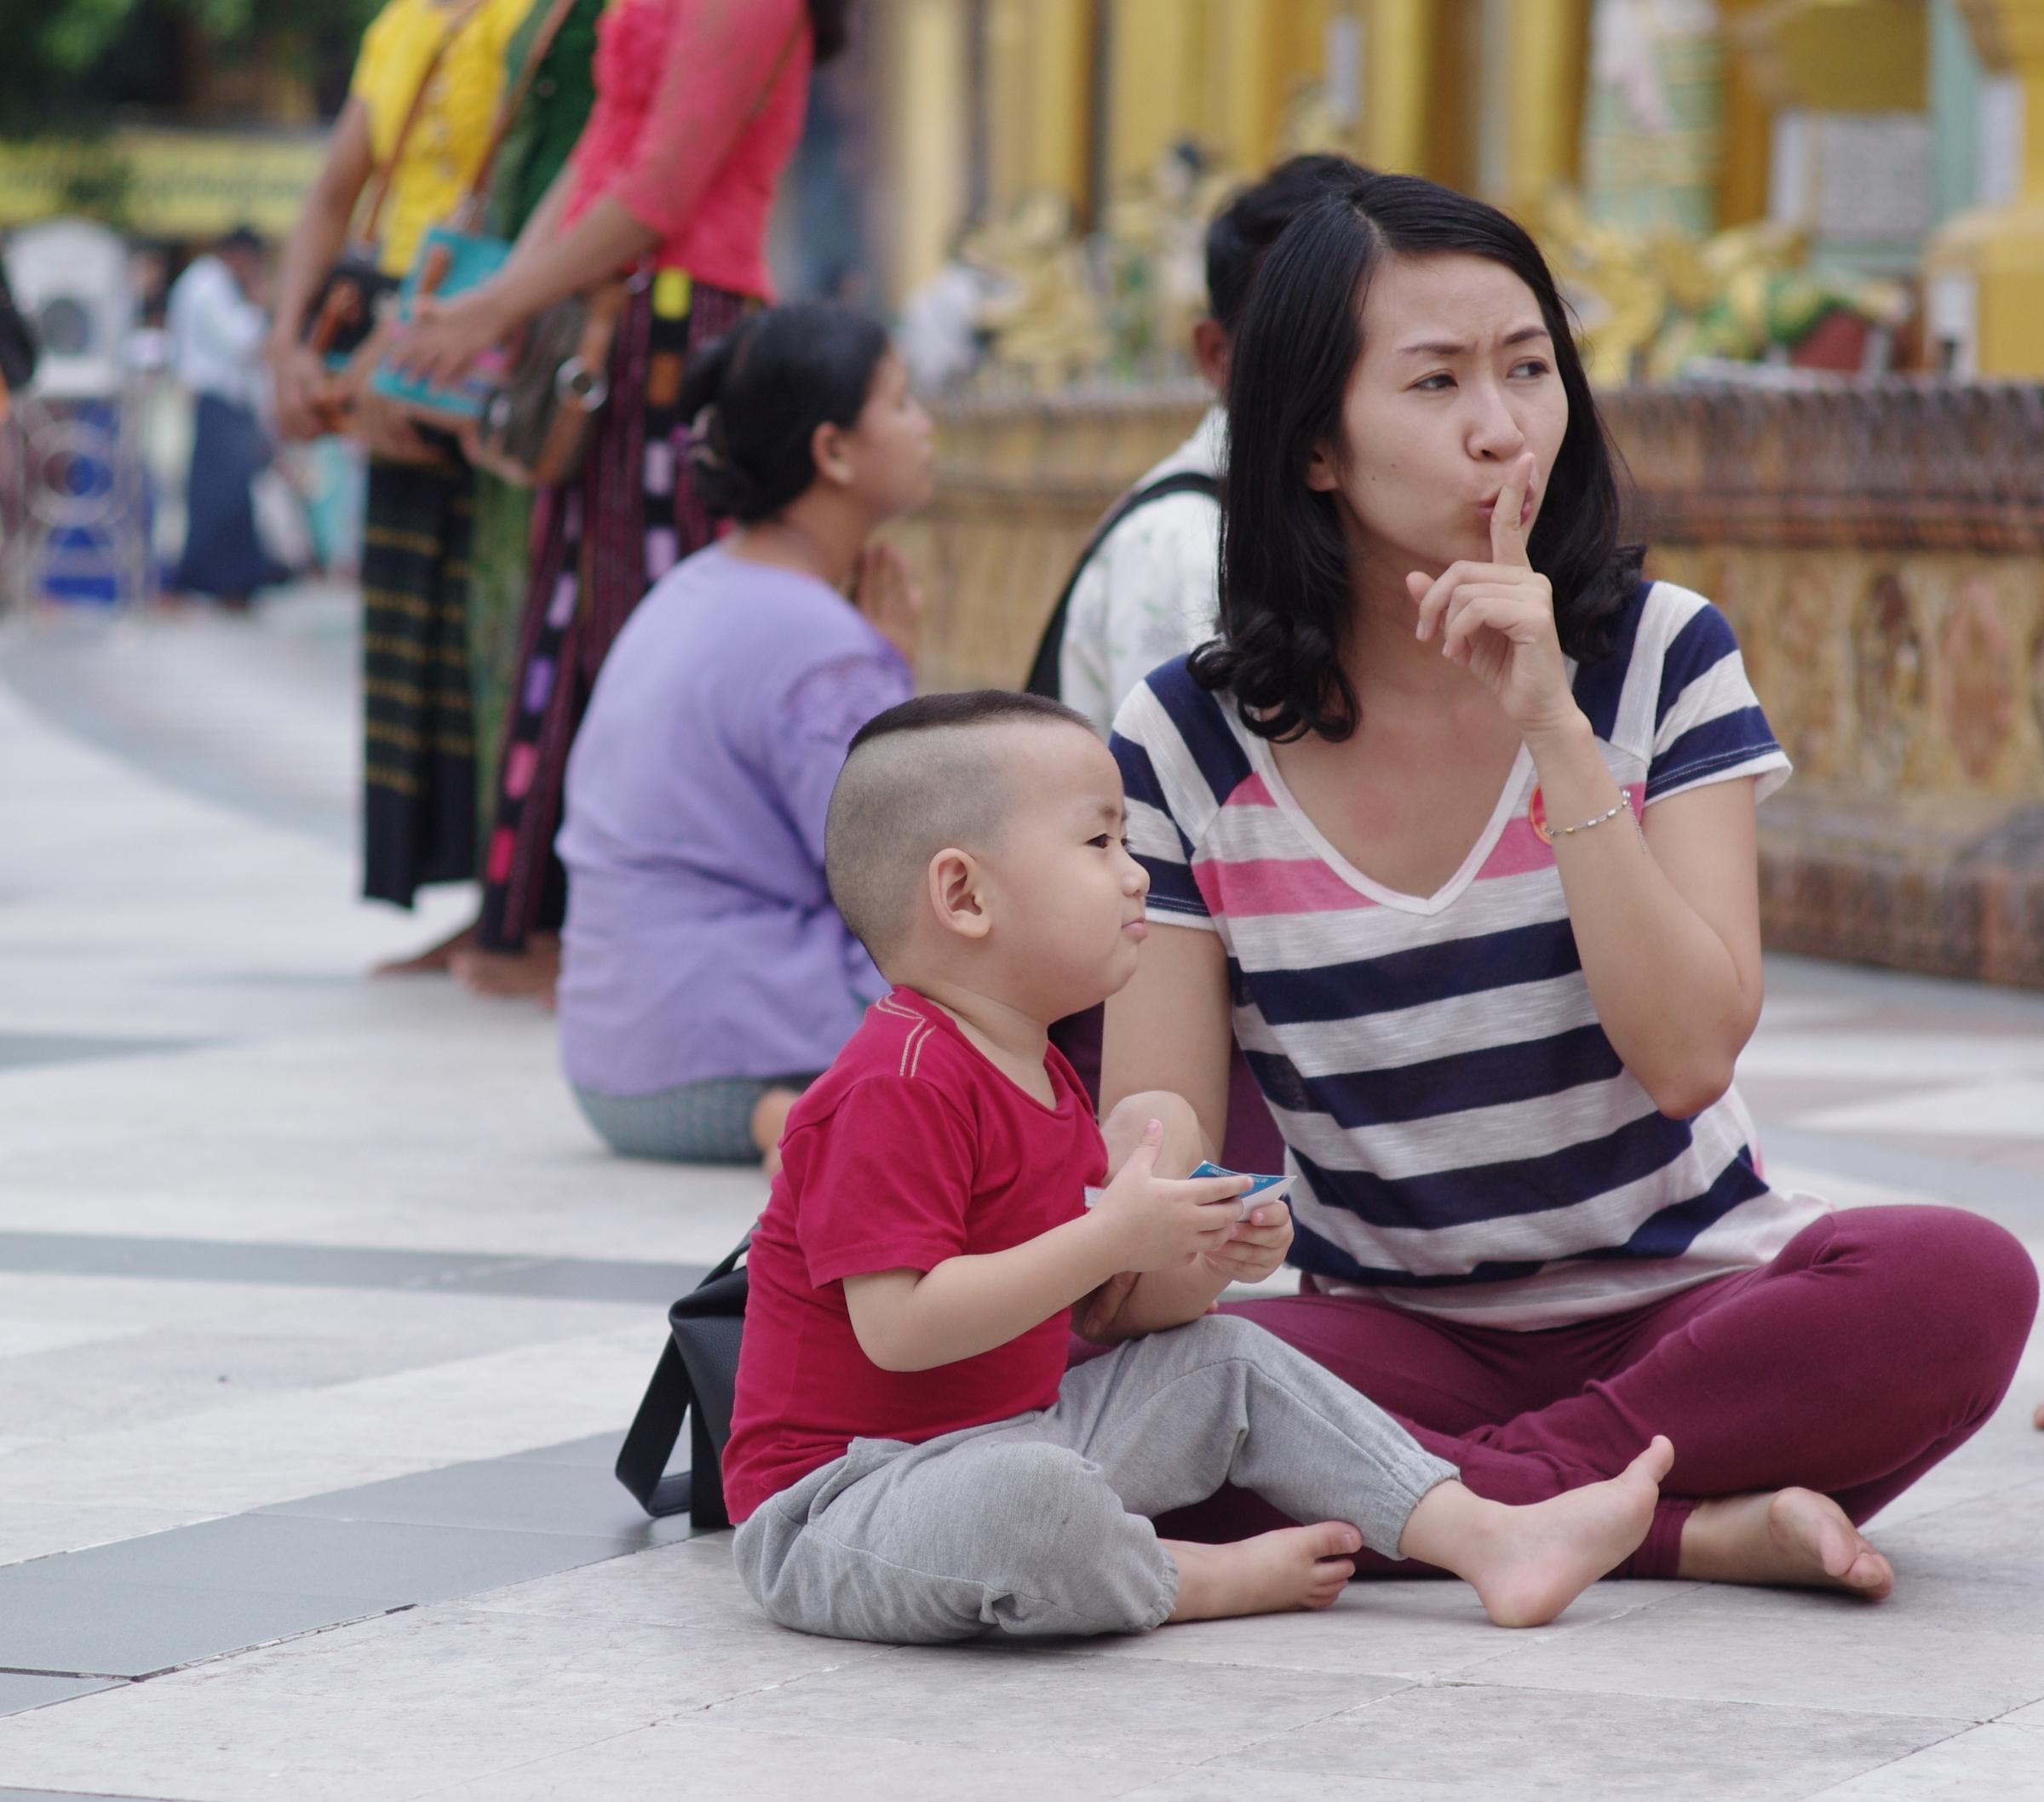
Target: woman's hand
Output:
[(881, 590), (386, 430), (1496, 619), (1256, 1248), (304, 389), (444, 337)]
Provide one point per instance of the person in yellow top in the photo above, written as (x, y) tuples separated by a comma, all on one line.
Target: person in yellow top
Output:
[(426, 88)]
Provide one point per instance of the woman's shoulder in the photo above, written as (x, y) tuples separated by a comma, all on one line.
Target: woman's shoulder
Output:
[(401, 29), (1179, 746), (1664, 638), (767, 615)]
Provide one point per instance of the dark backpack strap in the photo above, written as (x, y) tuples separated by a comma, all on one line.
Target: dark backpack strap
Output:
[(642, 1458), (1043, 674), (649, 1444)]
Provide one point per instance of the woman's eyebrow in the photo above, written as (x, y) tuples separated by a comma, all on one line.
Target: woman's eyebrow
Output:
[(1455, 348)]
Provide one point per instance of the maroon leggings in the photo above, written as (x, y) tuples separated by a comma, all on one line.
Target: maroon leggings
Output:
[(1876, 1345)]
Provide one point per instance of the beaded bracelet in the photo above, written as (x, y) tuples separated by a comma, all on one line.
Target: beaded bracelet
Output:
[(1536, 817)]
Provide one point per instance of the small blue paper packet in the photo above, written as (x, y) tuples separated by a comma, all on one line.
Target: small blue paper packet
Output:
[(448, 263), (1261, 1188)]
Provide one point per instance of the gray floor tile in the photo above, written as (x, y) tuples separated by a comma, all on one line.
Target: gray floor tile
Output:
[(999, 1699), (2010, 1197), (63, 1795), (506, 1495), (133, 1629), (20, 1691), (1471, 1741), (686, 1758), (1987, 1764), (26, 1050), (346, 1267), (598, 1451), (272, 1554)]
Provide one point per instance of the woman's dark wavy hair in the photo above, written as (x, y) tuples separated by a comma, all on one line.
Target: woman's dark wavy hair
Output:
[(757, 395), (830, 25), (1286, 597)]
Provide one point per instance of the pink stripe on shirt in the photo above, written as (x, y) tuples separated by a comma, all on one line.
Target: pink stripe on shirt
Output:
[(1273, 886)]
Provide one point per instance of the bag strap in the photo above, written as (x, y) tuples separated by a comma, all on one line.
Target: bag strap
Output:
[(457, 23), (1043, 674), (508, 110), (658, 1425)]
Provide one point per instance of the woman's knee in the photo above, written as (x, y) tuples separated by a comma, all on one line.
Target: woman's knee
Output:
[(1968, 1282), (1124, 1124)]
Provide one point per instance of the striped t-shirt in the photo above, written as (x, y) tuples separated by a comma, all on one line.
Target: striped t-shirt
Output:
[(1463, 1139)]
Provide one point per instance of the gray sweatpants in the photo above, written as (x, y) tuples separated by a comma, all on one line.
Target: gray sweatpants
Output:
[(1041, 1524)]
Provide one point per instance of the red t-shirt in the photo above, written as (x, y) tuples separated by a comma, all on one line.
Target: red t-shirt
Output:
[(912, 1148)]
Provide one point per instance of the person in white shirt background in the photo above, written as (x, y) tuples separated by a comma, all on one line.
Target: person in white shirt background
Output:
[(1145, 591), (217, 325)]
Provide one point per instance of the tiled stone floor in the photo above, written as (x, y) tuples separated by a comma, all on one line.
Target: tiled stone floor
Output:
[(322, 1281)]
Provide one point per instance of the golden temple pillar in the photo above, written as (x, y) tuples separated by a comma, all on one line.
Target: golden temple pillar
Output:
[(1549, 46), (1152, 81), (926, 60), (1038, 95), (1241, 101), (1985, 272), (1398, 69)]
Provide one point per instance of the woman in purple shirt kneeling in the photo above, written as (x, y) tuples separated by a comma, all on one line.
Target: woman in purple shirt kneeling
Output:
[(706, 977)]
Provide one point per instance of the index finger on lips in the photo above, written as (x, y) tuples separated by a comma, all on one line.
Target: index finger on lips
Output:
[(1507, 531)]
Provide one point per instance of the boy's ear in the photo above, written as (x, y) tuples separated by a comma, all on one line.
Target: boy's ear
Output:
[(955, 889)]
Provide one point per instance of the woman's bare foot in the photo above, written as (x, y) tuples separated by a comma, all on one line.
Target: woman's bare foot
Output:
[(1794, 1537), (434, 961), (1528, 1563), (1274, 1573), (532, 973)]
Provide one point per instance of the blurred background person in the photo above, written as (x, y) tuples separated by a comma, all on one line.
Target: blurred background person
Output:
[(216, 324), (1146, 590), (417, 122), (549, 63), (709, 977), (699, 106)]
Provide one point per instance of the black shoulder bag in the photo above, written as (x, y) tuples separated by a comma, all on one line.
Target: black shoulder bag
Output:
[(19, 349), (697, 1376), (1043, 676)]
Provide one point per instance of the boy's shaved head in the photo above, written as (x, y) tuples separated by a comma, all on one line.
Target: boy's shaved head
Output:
[(918, 778)]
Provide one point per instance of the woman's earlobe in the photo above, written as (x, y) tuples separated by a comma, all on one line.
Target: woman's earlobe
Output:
[(827, 453), (1321, 474)]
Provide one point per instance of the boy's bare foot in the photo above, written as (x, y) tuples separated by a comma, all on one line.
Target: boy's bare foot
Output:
[(532, 973), (1273, 1573), (1528, 1563), (434, 961), (1795, 1537)]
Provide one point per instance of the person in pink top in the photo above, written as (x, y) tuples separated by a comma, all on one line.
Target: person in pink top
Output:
[(699, 104)]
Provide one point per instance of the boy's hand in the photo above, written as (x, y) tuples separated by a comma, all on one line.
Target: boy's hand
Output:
[(1158, 1223), (1255, 1248)]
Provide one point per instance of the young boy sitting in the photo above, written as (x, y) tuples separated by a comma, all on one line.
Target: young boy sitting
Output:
[(910, 1458)]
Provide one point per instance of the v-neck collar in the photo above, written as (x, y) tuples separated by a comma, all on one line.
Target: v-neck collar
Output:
[(1265, 764)]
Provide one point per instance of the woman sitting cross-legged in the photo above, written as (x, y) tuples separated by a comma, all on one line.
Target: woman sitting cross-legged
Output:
[(706, 977), (1454, 824)]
